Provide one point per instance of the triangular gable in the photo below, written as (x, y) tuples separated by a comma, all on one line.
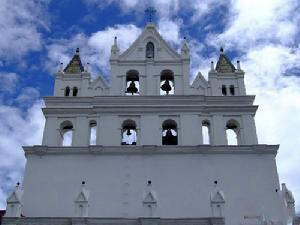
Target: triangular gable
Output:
[(99, 82), (148, 34), (199, 82), (15, 197), (217, 197), (83, 196), (150, 198)]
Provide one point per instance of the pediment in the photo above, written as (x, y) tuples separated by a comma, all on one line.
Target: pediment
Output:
[(83, 196), (98, 83), (217, 197), (162, 50), (150, 198), (199, 82), (14, 197)]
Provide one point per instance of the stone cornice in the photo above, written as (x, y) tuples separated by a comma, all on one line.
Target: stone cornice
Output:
[(151, 149), (144, 104), (144, 100), (169, 109), (112, 221)]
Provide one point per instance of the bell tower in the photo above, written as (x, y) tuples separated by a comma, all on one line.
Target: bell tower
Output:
[(150, 148), (150, 67)]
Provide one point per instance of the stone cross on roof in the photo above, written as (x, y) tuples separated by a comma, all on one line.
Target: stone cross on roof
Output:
[(150, 11)]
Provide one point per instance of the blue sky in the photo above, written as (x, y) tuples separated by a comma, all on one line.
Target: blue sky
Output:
[(37, 35)]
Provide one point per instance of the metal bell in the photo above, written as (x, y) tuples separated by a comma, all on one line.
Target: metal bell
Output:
[(169, 133), (166, 86), (132, 88), (128, 133)]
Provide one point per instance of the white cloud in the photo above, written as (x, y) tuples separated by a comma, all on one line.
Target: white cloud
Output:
[(8, 82), (27, 96), (170, 30), (254, 22), (19, 27), (17, 130), (94, 49)]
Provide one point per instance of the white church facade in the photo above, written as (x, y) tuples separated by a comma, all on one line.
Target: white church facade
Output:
[(150, 148)]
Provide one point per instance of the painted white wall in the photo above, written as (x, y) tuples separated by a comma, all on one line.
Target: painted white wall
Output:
[(183, 183)]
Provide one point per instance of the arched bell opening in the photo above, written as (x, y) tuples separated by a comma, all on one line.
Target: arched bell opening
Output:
[(169, 133), (75, 91), (150, 50), (233, 132), (93, 132), (129, 134), (206, 139), (132, 83), (67, 91), (232, 90), (167, 82), (66, 133), (224, 90)]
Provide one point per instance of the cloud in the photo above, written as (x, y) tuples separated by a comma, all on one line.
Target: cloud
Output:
[(27, 96), (94, 49), (254, 22), (170, 31), (20, 22), (17, 128), (8, 82)]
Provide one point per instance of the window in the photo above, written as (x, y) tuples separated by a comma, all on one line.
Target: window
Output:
[(224, 91), (233, 132), (167, 82), (66, 132), (129, 134), (150, 50), (93, 132), (132, 83), (67, 91), (206, 132), (169, 133), (231, 90), (75, 91)]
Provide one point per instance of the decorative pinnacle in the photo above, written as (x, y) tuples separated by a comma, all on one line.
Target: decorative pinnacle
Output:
[(212, 66), (151, 12)]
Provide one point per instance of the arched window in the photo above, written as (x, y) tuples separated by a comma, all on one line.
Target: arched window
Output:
[(129, 134), (93, 132), (167, 82), (233, 132), (150, 50), (224, 90), (67, 91), (75, 91), (132, 83), (169, 133), (206, 132), (66, 132), (231, 90)]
